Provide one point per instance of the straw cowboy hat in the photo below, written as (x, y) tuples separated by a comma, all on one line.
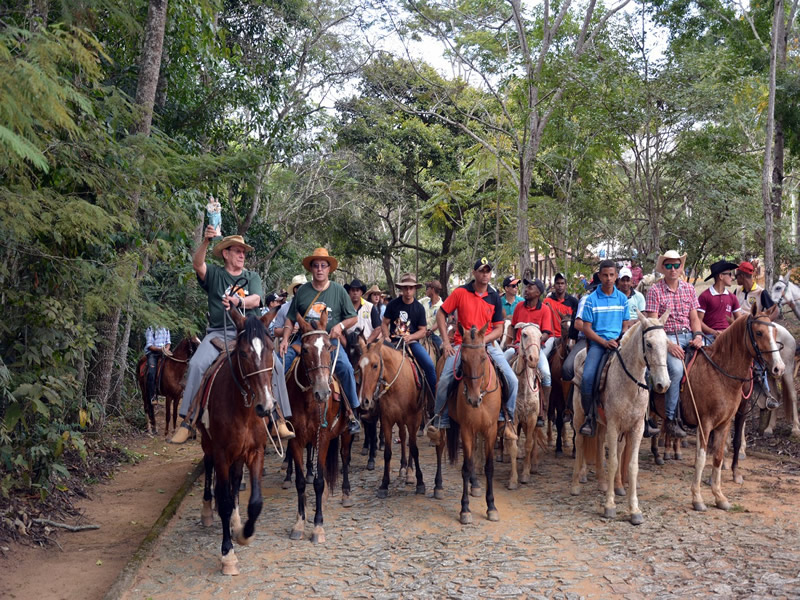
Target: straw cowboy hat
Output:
[(373, 290), (320, 254), (408, 280), (297, 280), (231, 240), (670, 255)]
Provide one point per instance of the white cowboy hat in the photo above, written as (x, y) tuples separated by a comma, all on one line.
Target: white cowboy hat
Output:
[(296, 281), (670, 255)]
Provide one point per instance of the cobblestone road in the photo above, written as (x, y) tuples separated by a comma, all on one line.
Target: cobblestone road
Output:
[(547, 544)]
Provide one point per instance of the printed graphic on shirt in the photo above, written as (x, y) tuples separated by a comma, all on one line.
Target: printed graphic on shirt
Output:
[(316, 310), (401, 323), (241, 292)]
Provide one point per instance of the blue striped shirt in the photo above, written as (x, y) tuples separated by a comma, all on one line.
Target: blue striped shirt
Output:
[(158, 337), (606, 313)]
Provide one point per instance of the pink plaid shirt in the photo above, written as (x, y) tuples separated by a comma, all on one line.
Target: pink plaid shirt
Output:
[(680, 303)]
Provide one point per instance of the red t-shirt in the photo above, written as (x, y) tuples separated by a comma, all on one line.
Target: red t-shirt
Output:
[(562, 307), (474, 309), (538, 316), (715, 307)]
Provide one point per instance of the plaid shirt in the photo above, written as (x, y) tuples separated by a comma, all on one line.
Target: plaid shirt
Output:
[(158, 338), (680, 303)]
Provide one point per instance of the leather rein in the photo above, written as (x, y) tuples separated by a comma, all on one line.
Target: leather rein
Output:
[(645, 331)]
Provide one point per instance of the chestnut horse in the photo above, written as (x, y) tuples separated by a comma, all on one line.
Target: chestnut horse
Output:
[(234, 432), (474, 409), (172, 369), (388, 387), (319, 420)]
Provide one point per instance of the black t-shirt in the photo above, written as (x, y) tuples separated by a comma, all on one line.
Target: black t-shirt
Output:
[(405, 317)]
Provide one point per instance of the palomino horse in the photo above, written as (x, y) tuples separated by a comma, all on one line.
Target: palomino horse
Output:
[(388, 387), (526, 368), (170, 384), (558, 409), (713, 391), (234, 432), (474, 409), (318, 419), (624, 400), (785, 292)]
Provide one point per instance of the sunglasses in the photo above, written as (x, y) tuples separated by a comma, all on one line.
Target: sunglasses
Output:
[(728, 273), (322, 265), (513, 285), (672, 265)]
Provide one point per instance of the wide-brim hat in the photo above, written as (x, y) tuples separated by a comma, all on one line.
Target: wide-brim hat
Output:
[(297, 280), (320, 254), (356, 284), (670, 255), (408, 280), (227, 242), (373, 290), (720, 267), (434, 283)]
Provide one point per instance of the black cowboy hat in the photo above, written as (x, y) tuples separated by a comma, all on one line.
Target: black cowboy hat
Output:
[(356, 284), (720, 267), (595, 282)]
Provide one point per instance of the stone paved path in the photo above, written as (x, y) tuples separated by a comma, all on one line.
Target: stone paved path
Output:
[(547, 544)]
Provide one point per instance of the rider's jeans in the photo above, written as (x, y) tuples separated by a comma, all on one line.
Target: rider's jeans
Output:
[(425, 363), (343, 370), (203, 358), (594, 354), (675, 370), (543, 365)]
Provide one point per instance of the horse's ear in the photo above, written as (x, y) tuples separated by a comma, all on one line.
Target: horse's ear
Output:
[(266, 319), (663, 318), (644, 320), (754, 310), (773, 312), (238, 319), (482, 332), (304, 326), (460, 330), (323, 320)]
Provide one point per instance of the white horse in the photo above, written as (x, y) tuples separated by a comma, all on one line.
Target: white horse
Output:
[(624, 399), (788, 346), (785, 292)]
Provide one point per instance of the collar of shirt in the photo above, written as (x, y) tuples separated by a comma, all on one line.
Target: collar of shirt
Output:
[(714, 292)]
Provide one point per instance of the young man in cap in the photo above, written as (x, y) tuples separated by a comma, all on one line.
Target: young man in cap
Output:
[(718, 307), (750, 292), (369, 316), (404, 319), (432, 302), (533, 310), (311, 299), (683, 326), (478, 304), (605, 317), (218, 282), (561, 303), (636, 301), (510, 298)]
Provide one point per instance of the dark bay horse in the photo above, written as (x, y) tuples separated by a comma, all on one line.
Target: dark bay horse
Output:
[(356, 348), (170, 383), (234, 431), (318, 419), (474, 409), (388, 387), (557, 410)]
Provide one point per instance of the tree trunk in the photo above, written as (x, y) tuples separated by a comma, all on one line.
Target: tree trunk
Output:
[(99, 379), (121, 367), (386, 263), (523, 239), (150, 64)]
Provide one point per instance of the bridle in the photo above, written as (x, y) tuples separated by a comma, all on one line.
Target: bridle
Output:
[(757, 354), (382, 387), (645, 331), (308, 370), (482, 375)]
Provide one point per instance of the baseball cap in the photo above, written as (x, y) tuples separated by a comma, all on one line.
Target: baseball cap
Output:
[(625, 272), (480, 264), (510, 280), (746, 267)]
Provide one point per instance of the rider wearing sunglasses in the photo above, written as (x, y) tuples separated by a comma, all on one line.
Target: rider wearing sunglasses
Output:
[(718, 307), (511, 298)]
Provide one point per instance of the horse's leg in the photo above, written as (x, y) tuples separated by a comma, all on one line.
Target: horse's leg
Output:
[(318, 536), (403, 473), (610, 509), (621, 476), (718, 451), (235, 476), (633, 442), (309, 463), (175, 401), (300, 484), (491, 509), (206, 514), (346, 452), (413, 451), (372, 433), (478, 454), (222, 491), (738, 436), (529, 426), (513, 452), (559, 429), (657, 458), (699, 465), (438, 490), (287, 480), (467, 443), (244, 536), (579, 467), (386, 428)]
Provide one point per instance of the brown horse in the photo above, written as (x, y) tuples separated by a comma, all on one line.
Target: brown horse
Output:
[(557, 410), (170, 380), (713, 391), (318, 419), (474, 409), (234, 432), (388, 387)]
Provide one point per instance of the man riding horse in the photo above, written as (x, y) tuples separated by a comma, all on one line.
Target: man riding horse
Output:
[(157, 343), (718, 307), (478, 305), (311, 300), (750, 292)]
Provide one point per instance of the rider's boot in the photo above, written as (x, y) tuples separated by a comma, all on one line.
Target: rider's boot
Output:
[(279, 425), (650, 428), (590, 424), (183, 433), (674, 430)]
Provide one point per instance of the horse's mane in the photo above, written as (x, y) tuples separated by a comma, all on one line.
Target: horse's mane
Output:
[(182, 349), (253, 328), (730, 340), (629, 333)]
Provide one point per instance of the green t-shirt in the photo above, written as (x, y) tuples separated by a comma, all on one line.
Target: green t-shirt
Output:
[(334, 300), (218, 283)]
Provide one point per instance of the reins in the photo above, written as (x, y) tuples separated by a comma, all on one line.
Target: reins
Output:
[(643, 386), (332, 366), (482, 375)]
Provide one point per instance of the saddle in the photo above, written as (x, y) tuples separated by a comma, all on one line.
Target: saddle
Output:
[(602, 375), (415, 368), (201, 398), (336, 388)]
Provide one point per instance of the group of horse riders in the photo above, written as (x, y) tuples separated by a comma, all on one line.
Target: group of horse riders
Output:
[(598, 320)]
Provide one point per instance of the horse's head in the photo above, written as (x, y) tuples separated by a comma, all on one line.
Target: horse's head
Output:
[(778, 290), (353, 345), (371, 366), (762, 338), (654, 348), (254, 361), (473, 363), (315, 355), (566, 324), (530, 344)]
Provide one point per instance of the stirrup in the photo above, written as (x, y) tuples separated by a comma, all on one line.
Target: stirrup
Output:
[(588, 424)]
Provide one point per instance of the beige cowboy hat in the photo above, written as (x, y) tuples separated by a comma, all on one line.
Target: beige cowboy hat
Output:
[(297, 280), (320, 254), (408, 280), (231, 240), (374, 290), (670, 255)]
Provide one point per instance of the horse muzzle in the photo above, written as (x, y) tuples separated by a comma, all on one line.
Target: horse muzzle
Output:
[(264, 407), (322, 393)]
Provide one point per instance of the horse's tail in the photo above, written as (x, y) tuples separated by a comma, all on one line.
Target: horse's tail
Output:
[(453, 437), (332, 463)]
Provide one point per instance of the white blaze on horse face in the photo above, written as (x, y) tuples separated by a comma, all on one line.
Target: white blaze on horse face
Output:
[(363, 363), (258, 348), (319, 344)]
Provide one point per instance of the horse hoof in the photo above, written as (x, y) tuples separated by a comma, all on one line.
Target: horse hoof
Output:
[(610, 513), (493, 515), (238, 537), (364, 451), (382, 493), (466, 518), (559, 454), (229, 562), (207, 520), (699, 506), (309, 477), (738, 479), (347, 501), (370, 465), (659, 461), (637, 519), (438, 493), (420, 489), (403, 474), (318, 537), (723, 505), (297, 534), (525, 478), (512, 485), (619, 491), (411, 479), (287, 483), (475, 491), (575, 491)]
